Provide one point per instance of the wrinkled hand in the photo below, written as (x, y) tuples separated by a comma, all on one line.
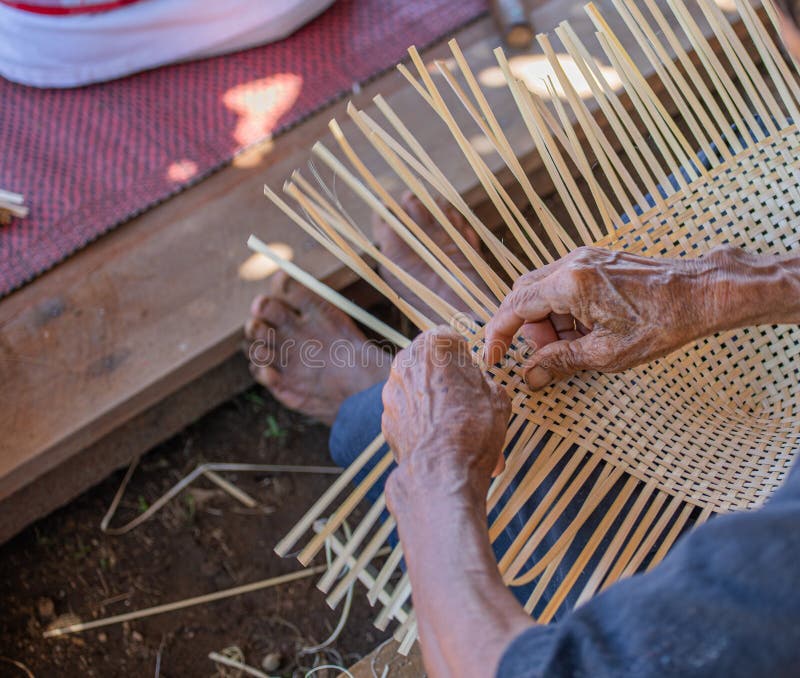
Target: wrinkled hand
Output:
[(441, 410), (605, 310)]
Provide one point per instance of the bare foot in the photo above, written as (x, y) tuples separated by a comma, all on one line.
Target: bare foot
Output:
[(309, 354), (395, 248)]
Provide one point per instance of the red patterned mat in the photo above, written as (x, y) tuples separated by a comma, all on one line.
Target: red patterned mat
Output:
[(89, 159)]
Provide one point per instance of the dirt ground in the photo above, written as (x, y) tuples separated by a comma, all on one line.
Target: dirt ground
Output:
[(64, 569)]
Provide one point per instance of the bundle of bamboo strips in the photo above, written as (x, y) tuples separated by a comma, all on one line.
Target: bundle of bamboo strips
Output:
[(11, 205), (709, 429)]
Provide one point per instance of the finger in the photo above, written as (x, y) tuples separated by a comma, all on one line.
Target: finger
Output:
[(262, 354), (500, 332), (265, 375), (500, 394), (559, 360), (538, 334), (530, 303)]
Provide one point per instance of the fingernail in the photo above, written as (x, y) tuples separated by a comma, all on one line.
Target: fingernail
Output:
[(537, 377)]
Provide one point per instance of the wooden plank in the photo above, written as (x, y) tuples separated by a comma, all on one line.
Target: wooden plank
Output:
[(157, 303)]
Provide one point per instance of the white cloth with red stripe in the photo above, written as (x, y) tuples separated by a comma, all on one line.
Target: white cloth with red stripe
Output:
[(69, 50)]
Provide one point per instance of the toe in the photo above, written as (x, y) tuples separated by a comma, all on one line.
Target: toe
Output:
[(262, 354), (257, 304), (276, 312), (296, 295), (538, 334), (255, 329), (266, 376)]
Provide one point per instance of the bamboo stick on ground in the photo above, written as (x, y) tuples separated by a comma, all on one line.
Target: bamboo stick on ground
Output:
[(188, 602)]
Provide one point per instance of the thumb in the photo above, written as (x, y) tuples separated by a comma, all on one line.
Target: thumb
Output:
[(558, 360)]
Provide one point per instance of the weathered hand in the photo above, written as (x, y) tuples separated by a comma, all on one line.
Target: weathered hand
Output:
[(606, 310), (446, 423), (441, 411)]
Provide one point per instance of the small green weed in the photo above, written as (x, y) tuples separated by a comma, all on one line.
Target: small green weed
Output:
[(274, 429)]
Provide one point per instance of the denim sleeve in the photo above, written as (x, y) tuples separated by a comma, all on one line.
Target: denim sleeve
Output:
[(724, 602)]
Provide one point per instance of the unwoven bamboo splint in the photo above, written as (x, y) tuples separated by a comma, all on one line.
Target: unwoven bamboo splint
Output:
[(709, 429)]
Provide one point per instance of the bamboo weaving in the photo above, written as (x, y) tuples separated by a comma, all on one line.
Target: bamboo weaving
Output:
[(709, 429)]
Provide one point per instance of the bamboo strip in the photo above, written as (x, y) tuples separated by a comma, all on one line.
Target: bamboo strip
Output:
[(365, 557), (490, 184), (685, 153), (352, 545), (513, 164), (588, 551), (677, 87), (614, 171), (507, 259), (674, 533), (649, 541), (757, 91), (501, 141), (554, 451), (724, 86), (466, 249), (706, 100), (182, 604), (402, 230), (574, 147), (541, 585), (636, 540), (548, 151), (647, 167), (400, 594), (340, 515), (650, 112), (386, 572), (409, 640), (486, 178), (599, 490), (778, 70), (322, 504), (607, 560), (529, 441)]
